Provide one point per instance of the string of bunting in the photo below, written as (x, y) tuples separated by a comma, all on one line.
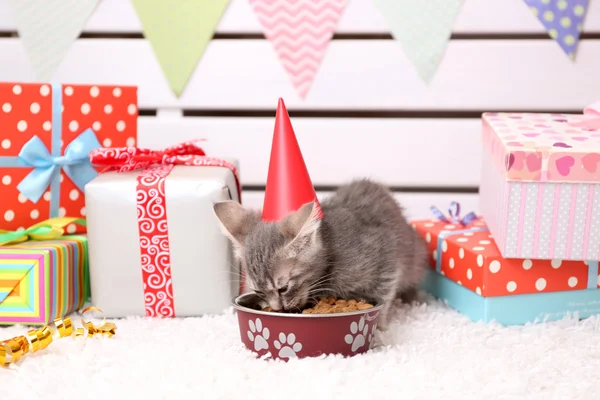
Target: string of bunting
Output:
[(12, 350), (179, 31)]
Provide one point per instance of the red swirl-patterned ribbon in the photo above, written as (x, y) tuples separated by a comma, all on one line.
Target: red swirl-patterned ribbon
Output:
[(152, 210)]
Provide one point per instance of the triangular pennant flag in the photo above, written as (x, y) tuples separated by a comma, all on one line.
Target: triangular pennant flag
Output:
[(563, 20), (423, 27), (300, 32), (179, 32), (48, 28)]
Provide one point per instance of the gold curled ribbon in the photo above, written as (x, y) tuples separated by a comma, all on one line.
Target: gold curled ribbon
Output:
[(12, 350)]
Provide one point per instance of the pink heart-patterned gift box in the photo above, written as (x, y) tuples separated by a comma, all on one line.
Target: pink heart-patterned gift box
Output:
[(540, 187)]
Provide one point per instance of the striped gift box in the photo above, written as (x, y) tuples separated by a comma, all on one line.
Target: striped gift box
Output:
[(540, 187), (43, 280)]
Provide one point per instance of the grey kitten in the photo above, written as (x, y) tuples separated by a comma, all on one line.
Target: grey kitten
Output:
[(363, 248)]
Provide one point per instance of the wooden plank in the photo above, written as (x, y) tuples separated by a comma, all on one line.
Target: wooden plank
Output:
[(477, 16), (416, 205), (398, 152), (355, 74)]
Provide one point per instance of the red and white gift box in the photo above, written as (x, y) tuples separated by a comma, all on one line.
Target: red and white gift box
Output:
[(470, 275), (46, 132), (540, 190), (155, 245)]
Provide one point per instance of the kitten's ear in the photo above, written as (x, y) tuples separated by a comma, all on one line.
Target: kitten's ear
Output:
[(304, 223), (236, 222)]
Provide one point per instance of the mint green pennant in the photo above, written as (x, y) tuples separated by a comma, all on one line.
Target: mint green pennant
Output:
[(48, 28), (179, 31), (423, 27)]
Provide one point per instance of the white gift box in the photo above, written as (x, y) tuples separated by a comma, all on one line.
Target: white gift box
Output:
[(203, 275)]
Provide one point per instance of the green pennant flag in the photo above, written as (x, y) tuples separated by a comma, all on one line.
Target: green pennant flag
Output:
[(48, 28), (179, 31)]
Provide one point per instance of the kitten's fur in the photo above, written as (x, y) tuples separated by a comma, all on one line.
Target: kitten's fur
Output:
[(362, 248)]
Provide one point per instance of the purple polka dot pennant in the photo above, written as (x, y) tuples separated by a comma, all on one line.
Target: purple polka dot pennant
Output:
[(563, 20)]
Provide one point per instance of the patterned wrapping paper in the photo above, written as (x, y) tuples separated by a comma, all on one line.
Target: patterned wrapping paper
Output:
[(470, 275), (52, 127), (468, 255), (540, 190), (43, 280)]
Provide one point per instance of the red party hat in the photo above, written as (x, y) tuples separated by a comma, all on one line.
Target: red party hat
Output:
[(288, 183)]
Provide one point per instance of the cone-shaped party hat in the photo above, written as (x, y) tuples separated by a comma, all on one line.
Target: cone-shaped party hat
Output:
[(288, 183)]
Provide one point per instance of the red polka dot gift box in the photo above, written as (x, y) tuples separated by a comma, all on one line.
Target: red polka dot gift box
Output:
[(46, 134), (540, 186), (470, 274)]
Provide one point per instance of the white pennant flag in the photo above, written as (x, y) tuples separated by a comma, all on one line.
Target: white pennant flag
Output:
[(423, 28), (48, 28)]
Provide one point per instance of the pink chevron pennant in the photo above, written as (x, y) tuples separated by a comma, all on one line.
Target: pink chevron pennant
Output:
[(300, 31)]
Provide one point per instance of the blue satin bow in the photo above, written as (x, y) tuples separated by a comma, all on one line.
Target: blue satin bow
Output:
[(75, 162), (454, 212)]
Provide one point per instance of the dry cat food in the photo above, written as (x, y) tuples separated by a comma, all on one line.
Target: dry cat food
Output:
[(331, 305)]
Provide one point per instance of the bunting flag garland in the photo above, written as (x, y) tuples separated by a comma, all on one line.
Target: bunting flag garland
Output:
[(423, 28), (300, 32), (563, 20), (48, 28), (179, 32)]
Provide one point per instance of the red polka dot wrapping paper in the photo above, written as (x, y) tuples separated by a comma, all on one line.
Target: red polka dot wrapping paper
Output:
[(469, 256), (26, 110)]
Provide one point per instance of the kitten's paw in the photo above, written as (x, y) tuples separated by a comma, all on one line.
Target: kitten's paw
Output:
[(371, 337), (258, 334), (409, 296), (382, 326)]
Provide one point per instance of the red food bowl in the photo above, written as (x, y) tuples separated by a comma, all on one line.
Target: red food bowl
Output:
[(288, 336)]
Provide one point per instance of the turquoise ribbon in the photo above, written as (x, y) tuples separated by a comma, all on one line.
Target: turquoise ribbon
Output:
[(443, 235), (47, 165), (592, 275)]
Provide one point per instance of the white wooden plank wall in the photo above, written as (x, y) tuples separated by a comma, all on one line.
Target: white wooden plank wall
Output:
[(367, 114)]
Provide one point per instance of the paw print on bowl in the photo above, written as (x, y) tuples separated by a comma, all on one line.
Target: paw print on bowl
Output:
[(358, 334), (258, 335), (287, 346)]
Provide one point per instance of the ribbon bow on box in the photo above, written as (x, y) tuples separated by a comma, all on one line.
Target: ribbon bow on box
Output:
[(75, 163), (591, 118), (454, 213), (123, 159), (50, 229), (47, 164)]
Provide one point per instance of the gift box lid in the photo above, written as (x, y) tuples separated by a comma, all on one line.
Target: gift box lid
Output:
[(544, 147), (468, 255)]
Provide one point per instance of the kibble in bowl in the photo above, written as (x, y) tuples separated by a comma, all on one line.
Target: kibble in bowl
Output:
[(331, 326), (331, 305)]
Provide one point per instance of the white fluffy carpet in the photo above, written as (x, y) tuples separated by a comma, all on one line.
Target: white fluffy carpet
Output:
[(431, 352)]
